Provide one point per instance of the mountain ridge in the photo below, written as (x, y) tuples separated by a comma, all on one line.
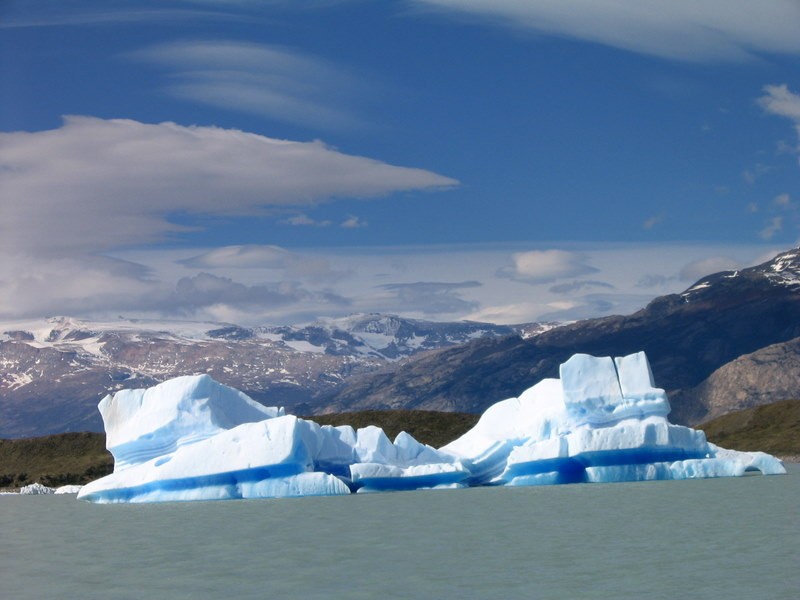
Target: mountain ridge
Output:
[(726, 342), (687, 337), (54, 371)]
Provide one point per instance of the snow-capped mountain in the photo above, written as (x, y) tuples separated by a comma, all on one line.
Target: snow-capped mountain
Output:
[(747, 321), (53, 371)]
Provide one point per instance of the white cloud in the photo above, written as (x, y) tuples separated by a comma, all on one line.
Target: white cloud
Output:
[(507, 314), (352, 222), (194, 294), (262, 284), (253, 256), (544, 266), (779, 101), (94, 184), (686, 30), (652, 222), (429, 298), (782, 201), (31, 286), (771, 227), (240, 257), (303, 220), (754, 173), (579, 286), (254, 78)]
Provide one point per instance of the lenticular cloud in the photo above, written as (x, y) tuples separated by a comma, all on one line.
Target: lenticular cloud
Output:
[(131, 177), (192, 438)]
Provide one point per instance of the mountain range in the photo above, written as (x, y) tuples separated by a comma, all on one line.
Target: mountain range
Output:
[(55, 370), (728, 342)]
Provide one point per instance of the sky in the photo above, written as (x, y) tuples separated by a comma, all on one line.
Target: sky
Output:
[(274, 161)]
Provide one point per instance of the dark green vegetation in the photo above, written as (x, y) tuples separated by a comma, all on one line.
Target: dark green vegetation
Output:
[(773, 428), (427, 426), (54, 460)]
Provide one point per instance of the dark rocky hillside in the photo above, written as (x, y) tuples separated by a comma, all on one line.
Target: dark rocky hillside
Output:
[(687, 337)]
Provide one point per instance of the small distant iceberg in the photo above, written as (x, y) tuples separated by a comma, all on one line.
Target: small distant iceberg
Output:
[(36, 489), (603, 420)]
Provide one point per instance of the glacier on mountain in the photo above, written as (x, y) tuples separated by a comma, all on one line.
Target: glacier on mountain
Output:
[(603, 420)]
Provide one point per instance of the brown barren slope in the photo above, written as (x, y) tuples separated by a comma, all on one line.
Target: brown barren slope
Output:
[(772, 428)]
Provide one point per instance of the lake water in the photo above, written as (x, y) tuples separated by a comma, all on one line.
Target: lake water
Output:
[(719, 538)]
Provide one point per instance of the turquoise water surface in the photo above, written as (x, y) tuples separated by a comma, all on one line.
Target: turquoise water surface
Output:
[(718, 538)]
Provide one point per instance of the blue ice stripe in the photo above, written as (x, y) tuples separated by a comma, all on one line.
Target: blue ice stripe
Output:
[(230, 478), (411, 483)]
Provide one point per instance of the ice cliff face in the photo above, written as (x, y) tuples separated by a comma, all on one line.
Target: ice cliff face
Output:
[(602, 421)]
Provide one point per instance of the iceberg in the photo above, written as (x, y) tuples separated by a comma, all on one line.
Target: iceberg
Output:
[(192, 438), (602, 421), (36, 489)]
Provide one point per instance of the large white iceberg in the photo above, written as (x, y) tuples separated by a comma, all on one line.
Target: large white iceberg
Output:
[(604, 420), (192, 438)]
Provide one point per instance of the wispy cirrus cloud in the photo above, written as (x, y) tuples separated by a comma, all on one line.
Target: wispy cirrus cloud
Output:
[(270, 81), (686, 30), (46, 13)]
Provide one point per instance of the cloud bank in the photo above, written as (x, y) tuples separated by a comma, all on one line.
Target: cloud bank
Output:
[(95, 184), (73, 194)]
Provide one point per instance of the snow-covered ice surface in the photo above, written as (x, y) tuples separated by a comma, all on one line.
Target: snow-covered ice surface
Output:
[(604, 420), (36, 489)]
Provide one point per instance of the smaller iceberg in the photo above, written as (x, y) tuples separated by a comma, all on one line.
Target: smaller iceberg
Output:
[(36, 489), (603, 420)]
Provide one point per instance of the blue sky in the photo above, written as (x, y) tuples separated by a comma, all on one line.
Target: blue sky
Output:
[(269, 161)]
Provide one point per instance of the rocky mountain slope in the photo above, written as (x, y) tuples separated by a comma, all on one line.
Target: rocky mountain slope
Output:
[(689, 338), (54, 371), (730, 341)]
